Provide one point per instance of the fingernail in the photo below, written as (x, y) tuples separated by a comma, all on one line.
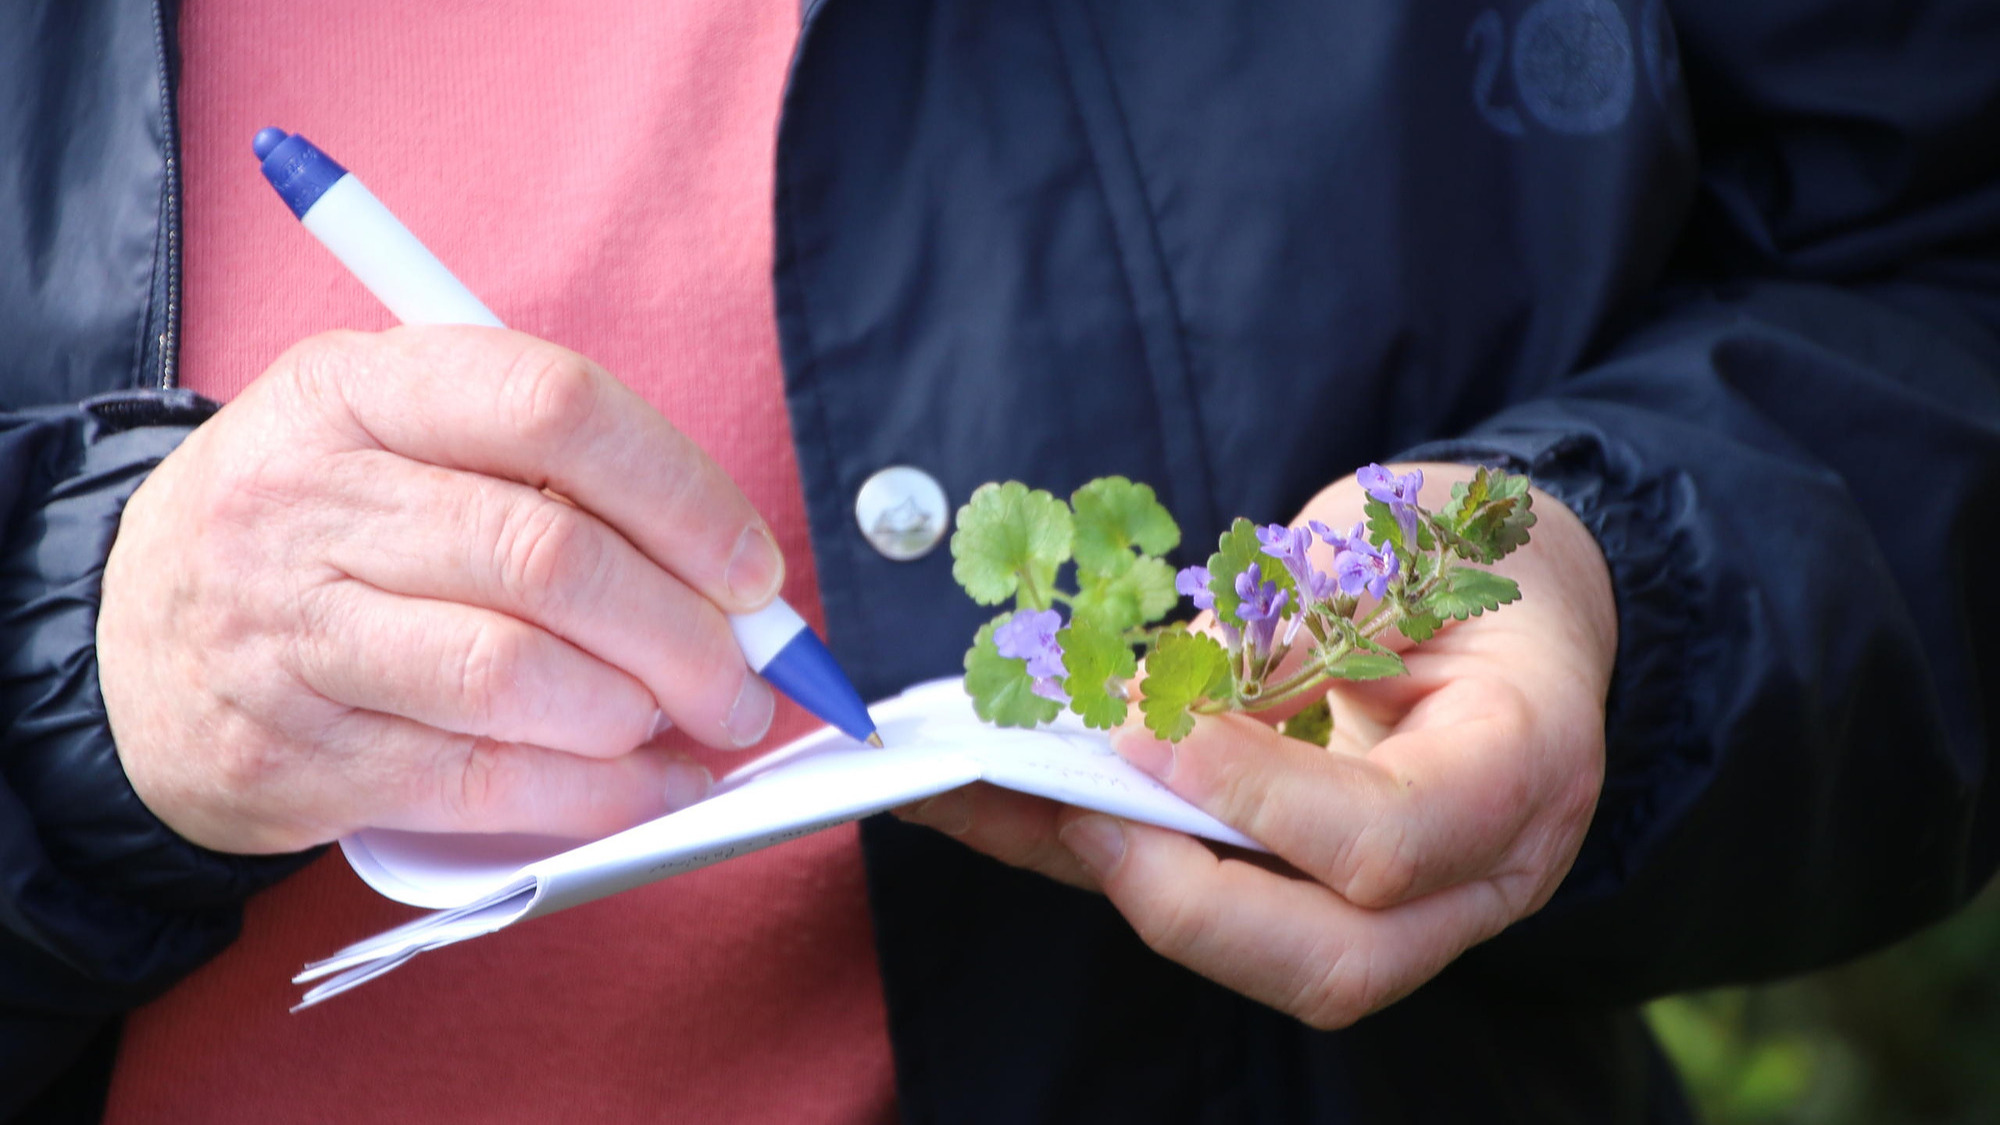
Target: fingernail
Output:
[(1098, 841), (687, 784), (949, 812), (661, 725), (755, 568), (750, 716), (1148, 753)]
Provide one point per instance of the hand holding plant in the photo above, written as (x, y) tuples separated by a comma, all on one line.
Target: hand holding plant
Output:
[(1448, 801)]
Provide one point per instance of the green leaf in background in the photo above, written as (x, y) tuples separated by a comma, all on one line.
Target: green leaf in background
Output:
[(1004, 532), (1314, 724), (1002, 691), (1468, 592), (1419, 626), (1490, 515), (1139, 595), (1234, 552), (1366, 666), (1486, 485), (1113, 516), (1095, 661), (1183, 670)]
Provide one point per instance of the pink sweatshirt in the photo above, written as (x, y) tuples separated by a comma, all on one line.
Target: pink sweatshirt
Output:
[(621, 207)]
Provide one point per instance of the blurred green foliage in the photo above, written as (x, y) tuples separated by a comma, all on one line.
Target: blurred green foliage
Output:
[(1908, 1036)]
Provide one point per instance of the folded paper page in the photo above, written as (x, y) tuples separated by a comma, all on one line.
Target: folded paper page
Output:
[(479, 884)]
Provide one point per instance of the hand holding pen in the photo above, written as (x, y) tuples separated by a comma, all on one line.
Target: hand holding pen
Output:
[(347, 601)]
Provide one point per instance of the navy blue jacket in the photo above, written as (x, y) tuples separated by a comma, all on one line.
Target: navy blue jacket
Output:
[(1234, 249)]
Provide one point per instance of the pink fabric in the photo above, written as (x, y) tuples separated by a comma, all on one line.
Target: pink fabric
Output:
[(600, 173)]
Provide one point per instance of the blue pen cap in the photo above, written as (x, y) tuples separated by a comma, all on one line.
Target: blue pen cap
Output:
[(300, 172)]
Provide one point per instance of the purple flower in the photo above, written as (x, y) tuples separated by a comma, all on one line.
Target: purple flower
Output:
[(1291, 544), (1232, 637), (1361, 567), (1193, 582), (1288, 544), (1338, 539), (1389, 488), (1319, 586), (1399, 492), (1030, 635), (1261, 605)]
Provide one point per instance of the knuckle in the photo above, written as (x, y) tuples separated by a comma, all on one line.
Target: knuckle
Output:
[(310, 648), (321, 368), (470, 794), (1382, 867), (246, 495), (549, 395), (546, 553), (250, 756), (1175, 928), (490, 667)]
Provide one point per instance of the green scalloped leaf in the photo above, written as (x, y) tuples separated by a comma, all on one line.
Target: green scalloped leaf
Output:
[(1140, 595), (1367, 666), (1113, 518), (1098, 664), (1419, 626), (1002, 691), (1489, 516), (1183, 669), (1004, 532), (1468, 591)]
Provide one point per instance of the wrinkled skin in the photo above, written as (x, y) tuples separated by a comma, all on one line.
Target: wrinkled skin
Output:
[(435, 579)]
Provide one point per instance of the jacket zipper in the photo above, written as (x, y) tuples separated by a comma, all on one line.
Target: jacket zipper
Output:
[(170, 208)]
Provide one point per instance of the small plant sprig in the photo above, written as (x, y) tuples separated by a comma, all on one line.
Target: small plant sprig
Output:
[(1029, 663)]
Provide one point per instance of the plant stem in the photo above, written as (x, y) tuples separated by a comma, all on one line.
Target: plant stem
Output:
[(1311, 668), (1029, 593), (1266, 702)]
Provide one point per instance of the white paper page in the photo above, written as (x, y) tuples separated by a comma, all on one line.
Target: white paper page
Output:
[(803, 797), (807, 795), (1063, 761), (935, 743), (1079, 767), (496, 911), (441, 869)]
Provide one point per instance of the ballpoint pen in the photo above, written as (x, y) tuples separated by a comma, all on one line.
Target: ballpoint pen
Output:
[(407, 278)]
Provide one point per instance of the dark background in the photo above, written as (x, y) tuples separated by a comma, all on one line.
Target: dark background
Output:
[(1911, 1034)]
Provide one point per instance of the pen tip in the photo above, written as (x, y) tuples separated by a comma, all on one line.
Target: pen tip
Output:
[(875, 740)]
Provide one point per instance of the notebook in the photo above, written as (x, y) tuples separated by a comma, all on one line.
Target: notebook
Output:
[(479, 884)]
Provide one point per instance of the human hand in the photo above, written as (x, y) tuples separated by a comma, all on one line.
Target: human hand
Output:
[(437, 579), (1450, 804)]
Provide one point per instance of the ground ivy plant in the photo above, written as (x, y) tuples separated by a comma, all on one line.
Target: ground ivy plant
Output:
[(1402, 567)]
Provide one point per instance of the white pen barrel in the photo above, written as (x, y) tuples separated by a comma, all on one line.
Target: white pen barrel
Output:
[(765, 633), (386, 258)]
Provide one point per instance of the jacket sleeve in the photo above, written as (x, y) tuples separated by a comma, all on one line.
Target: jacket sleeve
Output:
[(1796, 488), (1793, 467), (101, 905)]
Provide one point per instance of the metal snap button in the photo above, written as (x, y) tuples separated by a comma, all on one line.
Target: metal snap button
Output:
[(902, 511)]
